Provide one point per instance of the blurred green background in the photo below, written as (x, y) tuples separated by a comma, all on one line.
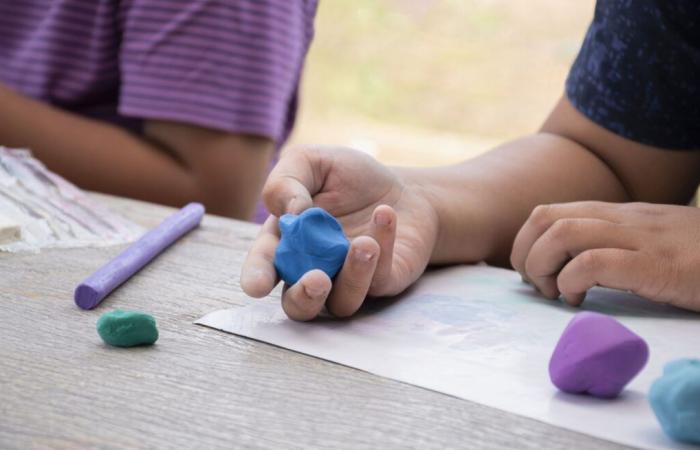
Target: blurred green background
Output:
[(424, 82)]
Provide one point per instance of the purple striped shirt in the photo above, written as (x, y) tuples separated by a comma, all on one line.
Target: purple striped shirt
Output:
[(232, 65)]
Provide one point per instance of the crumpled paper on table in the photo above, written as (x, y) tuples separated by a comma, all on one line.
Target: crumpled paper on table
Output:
[(52, 212)]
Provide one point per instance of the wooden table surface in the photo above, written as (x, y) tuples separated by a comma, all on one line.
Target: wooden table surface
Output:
[(61, 387)]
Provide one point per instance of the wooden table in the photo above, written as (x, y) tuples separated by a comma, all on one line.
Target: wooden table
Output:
[(60, 386)]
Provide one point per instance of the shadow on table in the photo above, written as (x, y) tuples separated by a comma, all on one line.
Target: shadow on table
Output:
[(615, 303)]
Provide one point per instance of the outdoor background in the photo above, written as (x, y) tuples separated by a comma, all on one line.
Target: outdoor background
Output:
[(426, 82)]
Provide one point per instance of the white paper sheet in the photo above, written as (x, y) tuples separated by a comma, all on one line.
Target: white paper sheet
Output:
[(479, 333)]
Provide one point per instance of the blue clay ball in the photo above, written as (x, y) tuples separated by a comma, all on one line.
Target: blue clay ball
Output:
[(312, 240), (675, 399)]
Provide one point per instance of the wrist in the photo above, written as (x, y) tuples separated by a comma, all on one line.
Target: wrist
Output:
[(457, 211), (461, 213)]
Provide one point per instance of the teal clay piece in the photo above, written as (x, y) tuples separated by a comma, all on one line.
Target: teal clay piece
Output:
[(127, 328), (675, 399)]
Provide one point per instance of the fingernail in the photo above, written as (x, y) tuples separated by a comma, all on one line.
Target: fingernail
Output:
[(362, 256), (382, 219), (314, 292), (291, 205)]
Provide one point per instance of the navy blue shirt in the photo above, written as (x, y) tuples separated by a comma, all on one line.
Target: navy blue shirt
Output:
[(638, 71)]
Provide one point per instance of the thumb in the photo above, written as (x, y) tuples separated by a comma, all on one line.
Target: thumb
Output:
[(291, 184)]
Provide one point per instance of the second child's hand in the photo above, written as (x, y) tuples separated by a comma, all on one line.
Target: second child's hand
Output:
[(651, 250), (369, 200)]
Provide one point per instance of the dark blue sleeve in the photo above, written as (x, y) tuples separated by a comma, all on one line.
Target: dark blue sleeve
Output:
[(638, 71)]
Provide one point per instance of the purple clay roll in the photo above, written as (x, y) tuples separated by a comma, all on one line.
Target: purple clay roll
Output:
[(100, 284)]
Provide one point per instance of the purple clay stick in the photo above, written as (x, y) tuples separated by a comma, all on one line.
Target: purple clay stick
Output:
[(100, 284)]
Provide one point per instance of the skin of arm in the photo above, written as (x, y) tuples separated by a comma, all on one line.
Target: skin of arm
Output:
[(486, 200), (173, 163), (556, 206)]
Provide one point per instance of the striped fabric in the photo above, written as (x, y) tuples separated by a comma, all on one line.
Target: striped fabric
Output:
[(232, 65)]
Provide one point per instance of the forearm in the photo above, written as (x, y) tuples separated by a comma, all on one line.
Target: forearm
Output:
[(230, 169), (94, 155), (172, 164), (482, 203)]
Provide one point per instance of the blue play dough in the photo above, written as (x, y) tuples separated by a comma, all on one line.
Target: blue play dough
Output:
[(675, 399), (311, 240)]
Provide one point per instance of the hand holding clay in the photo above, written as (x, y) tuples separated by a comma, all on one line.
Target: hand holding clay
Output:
[(390, 221), (311, 240)]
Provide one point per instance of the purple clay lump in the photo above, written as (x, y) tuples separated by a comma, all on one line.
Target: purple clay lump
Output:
[(312, 240), (596, 355)]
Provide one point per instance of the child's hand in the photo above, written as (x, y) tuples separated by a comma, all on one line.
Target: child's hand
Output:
[(651, 250), (369, 200)]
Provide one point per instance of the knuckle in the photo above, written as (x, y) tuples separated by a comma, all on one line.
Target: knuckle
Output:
[(315, 157), (366, 245), (541, 215), (589, 261), (562, 229), (271, 190)]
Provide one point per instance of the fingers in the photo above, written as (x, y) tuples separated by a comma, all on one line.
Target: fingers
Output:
[(352, 283), (367, 263), (306, 298), (292, 183), (565, 239), (609, 267), (258, 275), (383, 230), (544, 216)]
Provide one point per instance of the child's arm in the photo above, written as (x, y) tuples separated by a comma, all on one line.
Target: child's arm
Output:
[(174, 164), (464, 213), (570, 159)]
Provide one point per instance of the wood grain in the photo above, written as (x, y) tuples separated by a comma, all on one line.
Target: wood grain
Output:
[(60, 387)]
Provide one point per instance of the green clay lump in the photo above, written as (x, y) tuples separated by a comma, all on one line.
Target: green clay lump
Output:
[(127, 328)]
